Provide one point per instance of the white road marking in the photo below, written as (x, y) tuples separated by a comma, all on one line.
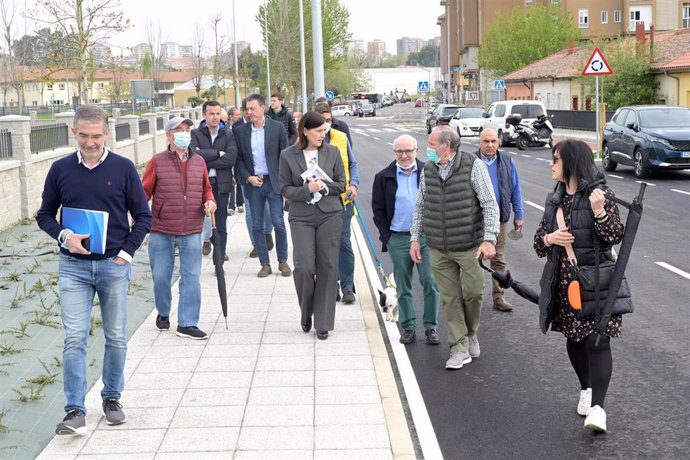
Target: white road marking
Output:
[(617, 177), (534, 205), (680, 191), (673, 269), (526, 156), (420, 415), (544, 159), (389, 143), (643, 182)]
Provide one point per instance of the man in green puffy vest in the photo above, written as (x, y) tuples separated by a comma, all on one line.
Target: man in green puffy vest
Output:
[(457, 212)]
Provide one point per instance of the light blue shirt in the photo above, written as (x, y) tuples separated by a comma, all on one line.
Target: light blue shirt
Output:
[(259, 150), (405, 199)]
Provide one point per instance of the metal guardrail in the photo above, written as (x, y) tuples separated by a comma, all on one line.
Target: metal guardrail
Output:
[(122, 132), (5, 144), (143, 127), (159, 123), (48, 137)]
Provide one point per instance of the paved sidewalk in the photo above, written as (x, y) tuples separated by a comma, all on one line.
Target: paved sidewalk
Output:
[(263, 389)]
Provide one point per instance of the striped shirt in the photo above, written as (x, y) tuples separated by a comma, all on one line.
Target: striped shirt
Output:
[(482, 186)]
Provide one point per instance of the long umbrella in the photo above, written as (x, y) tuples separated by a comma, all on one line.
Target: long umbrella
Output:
[(505, 280), (218, 259), (631, 225)]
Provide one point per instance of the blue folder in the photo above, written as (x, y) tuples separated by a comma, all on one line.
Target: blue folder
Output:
[(87, 221)]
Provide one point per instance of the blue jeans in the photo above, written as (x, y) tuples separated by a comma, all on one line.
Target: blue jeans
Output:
[(162, 258), (79, 280), (258, 197), (346, 262), (268, 225)]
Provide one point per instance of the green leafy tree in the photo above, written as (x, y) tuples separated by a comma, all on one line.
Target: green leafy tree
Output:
[(525, 35), (428, 56), (280, 28)]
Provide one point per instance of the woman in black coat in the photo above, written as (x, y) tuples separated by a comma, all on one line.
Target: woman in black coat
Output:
[(589, 216)]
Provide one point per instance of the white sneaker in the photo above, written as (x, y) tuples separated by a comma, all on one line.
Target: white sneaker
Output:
[(474, 346), (457, 359), (596, 419), (585, 403)]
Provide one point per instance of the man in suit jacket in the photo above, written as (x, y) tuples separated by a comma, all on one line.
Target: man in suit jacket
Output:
[(215, 143), (259, 143)]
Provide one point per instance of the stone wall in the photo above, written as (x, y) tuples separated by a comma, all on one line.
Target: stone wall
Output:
[(22, 177)]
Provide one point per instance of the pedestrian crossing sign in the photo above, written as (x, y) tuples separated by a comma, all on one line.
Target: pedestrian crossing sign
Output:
[(423, 87)]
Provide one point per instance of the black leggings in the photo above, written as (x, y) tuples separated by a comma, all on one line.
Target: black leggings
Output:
[(593, 365)]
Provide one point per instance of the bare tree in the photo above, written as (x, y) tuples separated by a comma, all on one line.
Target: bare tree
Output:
[(154, 38), (199, 63), (84, 23), (13, 72), (221, 43)]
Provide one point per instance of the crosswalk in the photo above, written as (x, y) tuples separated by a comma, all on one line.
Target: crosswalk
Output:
[(361, 130)]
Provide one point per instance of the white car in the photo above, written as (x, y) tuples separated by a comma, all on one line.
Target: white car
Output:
[(341, 110), (467, 121), (495, 117)]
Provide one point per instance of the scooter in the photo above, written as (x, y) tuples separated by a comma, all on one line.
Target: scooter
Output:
[(536, 134)]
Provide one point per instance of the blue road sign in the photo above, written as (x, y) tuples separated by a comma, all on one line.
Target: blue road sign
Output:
[(423, 87), (499, 85), (329, 95)]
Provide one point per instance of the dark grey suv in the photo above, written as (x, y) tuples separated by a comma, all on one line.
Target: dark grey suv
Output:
[(647, 137)]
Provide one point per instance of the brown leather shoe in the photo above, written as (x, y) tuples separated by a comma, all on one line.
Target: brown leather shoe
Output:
[(284, 269), (265, 271), (206, 248), (254, 253), (269, 241), (500, 304)]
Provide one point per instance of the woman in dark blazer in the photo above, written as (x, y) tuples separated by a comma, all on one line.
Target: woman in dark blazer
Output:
[(315, 220)]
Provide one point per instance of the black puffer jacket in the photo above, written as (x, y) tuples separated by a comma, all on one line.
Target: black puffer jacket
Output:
[(287, 119)]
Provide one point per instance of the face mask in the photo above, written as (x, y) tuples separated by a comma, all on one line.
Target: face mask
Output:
[(410, 166), (328, 128), (431, 154), (182, 140)]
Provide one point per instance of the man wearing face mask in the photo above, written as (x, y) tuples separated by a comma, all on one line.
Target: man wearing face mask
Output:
[(346, 260), (178, 182), (393, 199), (457, 212)]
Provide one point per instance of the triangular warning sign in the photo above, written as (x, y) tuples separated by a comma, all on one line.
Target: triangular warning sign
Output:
[(597, 65)]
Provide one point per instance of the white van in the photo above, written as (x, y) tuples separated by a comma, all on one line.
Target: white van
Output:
[(495, 116)]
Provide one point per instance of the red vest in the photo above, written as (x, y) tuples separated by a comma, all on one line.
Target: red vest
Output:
[(178, 207)]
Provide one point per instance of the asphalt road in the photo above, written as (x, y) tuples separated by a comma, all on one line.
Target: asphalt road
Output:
[(518, 400)]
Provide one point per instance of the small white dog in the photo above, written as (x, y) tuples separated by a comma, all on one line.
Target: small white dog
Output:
[(388, 300)]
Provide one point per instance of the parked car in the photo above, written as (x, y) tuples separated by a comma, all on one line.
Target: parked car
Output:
[(341, 111), (467, 121), (440, 115), (419, 102), (366, 110), (647, 137), (495, 117)]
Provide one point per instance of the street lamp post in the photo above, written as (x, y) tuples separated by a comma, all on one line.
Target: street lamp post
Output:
[(268, 65), (237, 69), (317, 34), (303, 64)]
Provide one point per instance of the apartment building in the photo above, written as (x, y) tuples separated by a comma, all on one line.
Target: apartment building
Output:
[(464, 22)]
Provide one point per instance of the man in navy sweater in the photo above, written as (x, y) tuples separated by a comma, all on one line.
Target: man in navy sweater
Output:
[(94, 178)]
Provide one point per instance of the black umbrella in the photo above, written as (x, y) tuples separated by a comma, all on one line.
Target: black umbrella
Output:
[(218, 259), (505, 280), (631, 225)]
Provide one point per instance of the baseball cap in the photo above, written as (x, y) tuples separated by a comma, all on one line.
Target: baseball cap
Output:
[(174, 122)]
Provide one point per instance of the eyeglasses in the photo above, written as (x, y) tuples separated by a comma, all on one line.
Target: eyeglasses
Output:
[(407, 152)]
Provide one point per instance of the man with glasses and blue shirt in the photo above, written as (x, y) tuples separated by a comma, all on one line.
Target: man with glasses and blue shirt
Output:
[(393, 200), (95, 179)]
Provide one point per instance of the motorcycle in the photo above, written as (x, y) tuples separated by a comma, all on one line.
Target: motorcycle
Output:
[(536, 134)]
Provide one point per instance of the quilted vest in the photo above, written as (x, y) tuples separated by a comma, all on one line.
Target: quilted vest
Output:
[(177, 207), (453, 219)]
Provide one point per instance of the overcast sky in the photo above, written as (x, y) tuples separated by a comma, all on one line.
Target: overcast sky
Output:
[(369, 19)]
